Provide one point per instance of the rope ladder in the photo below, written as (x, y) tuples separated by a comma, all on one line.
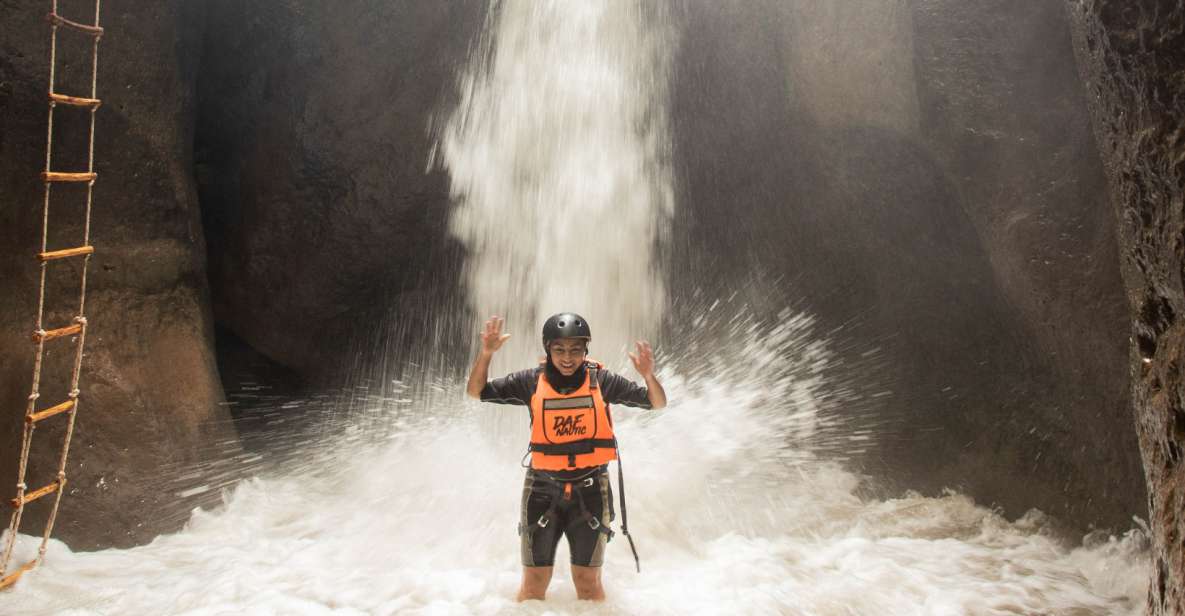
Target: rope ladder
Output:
[(77, 329)]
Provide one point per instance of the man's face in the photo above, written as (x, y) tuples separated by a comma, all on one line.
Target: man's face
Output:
[(567, 354)]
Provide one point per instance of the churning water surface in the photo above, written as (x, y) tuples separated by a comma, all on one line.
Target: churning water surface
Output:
[(732, 500), (559, 155)]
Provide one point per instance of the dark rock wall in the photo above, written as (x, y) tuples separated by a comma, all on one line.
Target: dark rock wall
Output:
[(1005, 112), (321, 203), (1132, 55), (921, 176), (150, 390)]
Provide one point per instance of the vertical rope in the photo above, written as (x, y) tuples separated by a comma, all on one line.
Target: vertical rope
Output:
[(74, 393), (90, 186)]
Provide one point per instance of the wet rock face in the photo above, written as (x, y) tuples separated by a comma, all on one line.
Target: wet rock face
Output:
[(1132, 55), (922, 176), (150, 395), (321, 203), (1003, 107)]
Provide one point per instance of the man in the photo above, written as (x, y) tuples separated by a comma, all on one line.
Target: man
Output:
[(566, 490)]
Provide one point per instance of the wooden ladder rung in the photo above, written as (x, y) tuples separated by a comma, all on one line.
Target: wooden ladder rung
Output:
[(60, 332), (76, 101), (62, 254), (56, 176), (58, 20), (50, 412), (11, 578), (38, 493)]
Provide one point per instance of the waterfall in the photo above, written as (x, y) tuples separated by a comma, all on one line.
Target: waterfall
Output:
[(559, 157)]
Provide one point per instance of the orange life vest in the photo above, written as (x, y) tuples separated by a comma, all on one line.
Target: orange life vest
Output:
[(572, 430)]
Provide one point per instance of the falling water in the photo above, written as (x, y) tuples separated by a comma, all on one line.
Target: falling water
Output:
[(559, 158), (737, 496)]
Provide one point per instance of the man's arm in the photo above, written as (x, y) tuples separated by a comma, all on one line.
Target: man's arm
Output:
[(658, 395), (491, 340), (479, 374), (644, 363)]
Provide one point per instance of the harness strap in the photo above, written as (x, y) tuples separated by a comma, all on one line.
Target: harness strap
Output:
[(588, 518), (572, 449), (544, 519), (593, 383), (576, 447)]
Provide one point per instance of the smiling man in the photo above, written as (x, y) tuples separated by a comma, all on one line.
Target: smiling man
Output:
[(566, 491)]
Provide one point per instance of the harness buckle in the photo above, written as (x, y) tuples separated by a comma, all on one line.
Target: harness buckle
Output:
[(594, 523), (544, 520), (587, 483)]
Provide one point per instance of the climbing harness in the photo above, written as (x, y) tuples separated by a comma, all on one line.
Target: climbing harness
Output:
[(561, 491), (78, 329)]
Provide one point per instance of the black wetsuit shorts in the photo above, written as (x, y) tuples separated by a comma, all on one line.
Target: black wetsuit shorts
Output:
[(580, 509)]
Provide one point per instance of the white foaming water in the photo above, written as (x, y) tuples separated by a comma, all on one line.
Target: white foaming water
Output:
[(557, 155), (734, 509)]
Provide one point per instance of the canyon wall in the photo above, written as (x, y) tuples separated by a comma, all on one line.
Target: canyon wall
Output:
[(150, 404), (1133, 63)]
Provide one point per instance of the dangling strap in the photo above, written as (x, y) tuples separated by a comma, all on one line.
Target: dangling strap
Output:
[(624, 518)]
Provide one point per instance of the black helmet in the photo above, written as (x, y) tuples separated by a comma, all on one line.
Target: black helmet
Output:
[(565, 325)]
